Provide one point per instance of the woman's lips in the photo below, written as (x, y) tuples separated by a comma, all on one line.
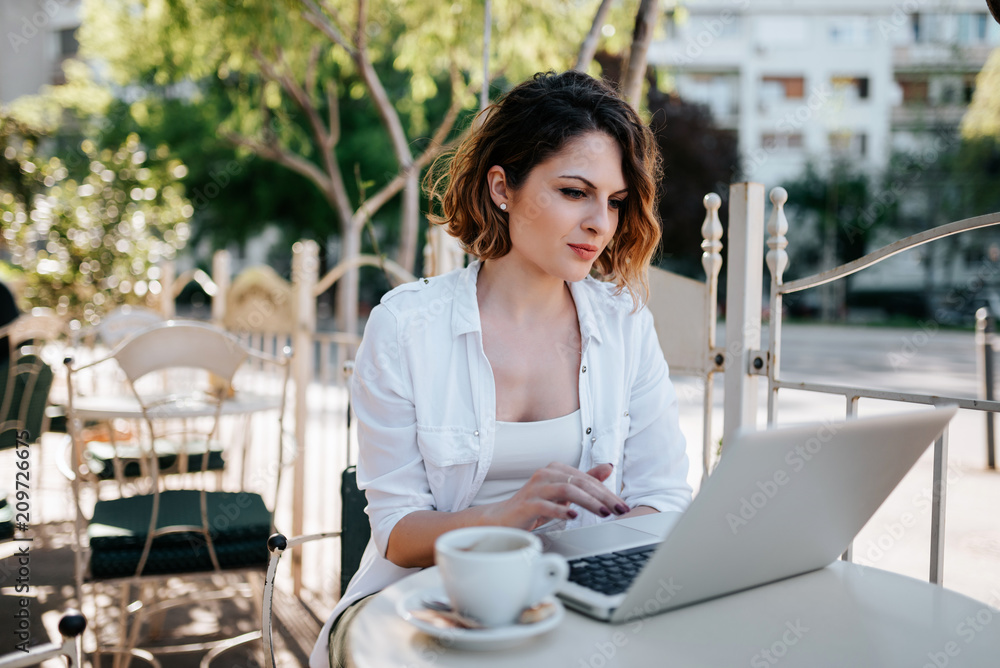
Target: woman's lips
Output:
[(585, 251)]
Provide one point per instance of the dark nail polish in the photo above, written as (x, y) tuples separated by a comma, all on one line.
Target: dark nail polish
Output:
[(571, 513), (605, 512), (621, 508)]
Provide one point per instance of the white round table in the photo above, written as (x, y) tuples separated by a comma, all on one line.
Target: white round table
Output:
[(844, 615)]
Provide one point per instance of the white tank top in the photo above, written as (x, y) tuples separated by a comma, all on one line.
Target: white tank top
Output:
[(521, 448)]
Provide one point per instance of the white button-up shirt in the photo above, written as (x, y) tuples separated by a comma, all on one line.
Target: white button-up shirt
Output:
[(425, 400)]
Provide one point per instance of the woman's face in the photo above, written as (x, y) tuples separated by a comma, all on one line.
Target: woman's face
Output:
[(566, 211)]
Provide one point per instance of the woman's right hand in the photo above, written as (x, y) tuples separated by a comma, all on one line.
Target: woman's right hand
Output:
[(549, 492)]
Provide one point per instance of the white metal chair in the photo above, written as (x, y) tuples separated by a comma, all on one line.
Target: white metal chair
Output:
[(685, 313), (26, 377), (181, 375), (71, 627), (354, 534)]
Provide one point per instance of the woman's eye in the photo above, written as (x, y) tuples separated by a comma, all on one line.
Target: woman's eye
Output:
[(572, 193), (616, 204)]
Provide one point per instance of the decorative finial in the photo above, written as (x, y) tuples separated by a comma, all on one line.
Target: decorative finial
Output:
[(777, 227), (711, 232)]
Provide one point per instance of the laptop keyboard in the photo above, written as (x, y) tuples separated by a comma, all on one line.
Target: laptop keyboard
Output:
[(610, 573)]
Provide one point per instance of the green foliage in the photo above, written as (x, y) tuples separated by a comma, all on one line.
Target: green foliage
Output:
[(194, 66), (845, 201), (88, 229)]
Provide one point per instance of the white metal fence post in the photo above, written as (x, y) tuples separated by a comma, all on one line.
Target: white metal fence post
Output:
[(305, 274), (168, 275), (777, 262), (221, 267), (711, 261), (744, 284)]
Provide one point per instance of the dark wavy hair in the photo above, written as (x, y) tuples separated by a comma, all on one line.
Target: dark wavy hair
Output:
[(527, 126)]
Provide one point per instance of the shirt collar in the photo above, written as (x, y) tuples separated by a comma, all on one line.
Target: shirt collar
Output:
[(465, 309)]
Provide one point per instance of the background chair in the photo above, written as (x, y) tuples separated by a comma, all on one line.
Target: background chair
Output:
[(181, 375), (71, 627), (25, 382), (354, 534)]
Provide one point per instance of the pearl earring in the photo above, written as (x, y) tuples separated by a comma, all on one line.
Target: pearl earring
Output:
[(503, 206)]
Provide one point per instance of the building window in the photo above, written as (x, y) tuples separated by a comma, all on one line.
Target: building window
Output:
[(68, 46), (972, 28), (782, 88), (849, 31), (772, 141), (856, 87), (849, 144), (968, 88), (915, 90)]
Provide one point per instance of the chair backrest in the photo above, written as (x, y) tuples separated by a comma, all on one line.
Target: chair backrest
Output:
[(684, 313), (177, 344), (679, 309), (25, 377), (126, 321)]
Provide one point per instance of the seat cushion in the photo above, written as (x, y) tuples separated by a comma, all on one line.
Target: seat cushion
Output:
[(240, 525), (100, 457)]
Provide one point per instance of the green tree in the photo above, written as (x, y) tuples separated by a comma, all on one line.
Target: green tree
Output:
[(843, 202), (87, 231), (288, 82)]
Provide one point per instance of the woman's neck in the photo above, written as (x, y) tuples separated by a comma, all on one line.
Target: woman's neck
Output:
[(522, 296)]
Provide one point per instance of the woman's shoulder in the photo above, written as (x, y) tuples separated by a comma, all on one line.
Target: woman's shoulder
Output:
[(419, 294)]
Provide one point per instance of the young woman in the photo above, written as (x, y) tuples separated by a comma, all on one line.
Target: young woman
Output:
[(521, 391)]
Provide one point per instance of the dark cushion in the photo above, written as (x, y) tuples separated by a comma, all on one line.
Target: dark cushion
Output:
[(240, 524), (27, 366), (100, 457)]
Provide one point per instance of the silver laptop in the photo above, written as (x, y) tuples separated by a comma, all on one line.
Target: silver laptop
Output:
[(780, 503)]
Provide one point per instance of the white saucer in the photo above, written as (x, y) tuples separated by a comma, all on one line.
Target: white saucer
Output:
[(475, 639)]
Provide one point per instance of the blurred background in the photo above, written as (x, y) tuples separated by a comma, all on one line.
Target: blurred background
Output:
[(134, 132)]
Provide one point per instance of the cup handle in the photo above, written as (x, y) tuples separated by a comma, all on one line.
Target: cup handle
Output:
[(551, 570)]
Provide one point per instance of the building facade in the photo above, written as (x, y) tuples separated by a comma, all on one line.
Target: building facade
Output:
[(816, 79)]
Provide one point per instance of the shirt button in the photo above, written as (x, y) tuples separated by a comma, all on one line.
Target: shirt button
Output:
[(475, 433), (588, 430), (593, 439), (626, 413), (584, 369)]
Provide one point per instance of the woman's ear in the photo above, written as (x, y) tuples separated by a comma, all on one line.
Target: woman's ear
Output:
[(496, 180)]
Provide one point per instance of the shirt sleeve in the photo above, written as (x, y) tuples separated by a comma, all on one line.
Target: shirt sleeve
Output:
[(390, 468), (655, 456)]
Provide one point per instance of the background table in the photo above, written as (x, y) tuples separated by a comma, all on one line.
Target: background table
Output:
[(844, 615)]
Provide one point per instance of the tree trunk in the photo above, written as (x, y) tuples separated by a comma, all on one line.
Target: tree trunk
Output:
[(347, 290), (409, 223), (645, 23), (589, 46)]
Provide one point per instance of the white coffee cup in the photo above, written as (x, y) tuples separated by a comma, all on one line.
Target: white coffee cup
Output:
[(492, 574)]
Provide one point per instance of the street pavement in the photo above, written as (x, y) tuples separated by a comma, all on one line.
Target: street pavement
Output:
[(923, 360)]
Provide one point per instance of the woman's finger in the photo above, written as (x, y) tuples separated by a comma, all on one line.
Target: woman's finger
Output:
[(594, 489)]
